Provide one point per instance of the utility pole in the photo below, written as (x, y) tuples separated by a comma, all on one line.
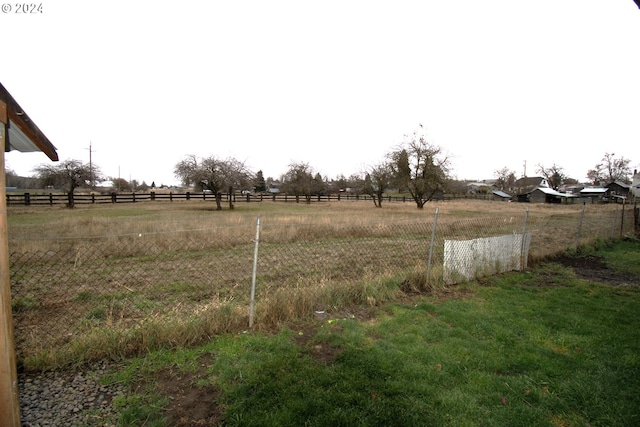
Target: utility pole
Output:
[(91, 165), (525, 169)]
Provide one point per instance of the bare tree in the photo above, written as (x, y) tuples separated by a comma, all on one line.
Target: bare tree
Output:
[(505, 179), (555, 175), (299, 181), (610, 169), (341, 182), (120, 184), (419, 167), (376, 182), (235, 176), (213, 174), (70, 174), (355, 184)]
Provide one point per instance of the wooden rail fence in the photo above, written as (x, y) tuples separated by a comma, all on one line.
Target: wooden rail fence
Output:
[(43, 199)]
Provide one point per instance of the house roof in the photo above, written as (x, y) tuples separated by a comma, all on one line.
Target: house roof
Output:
[(22, 133), (594, 190), (620, 184), (501, 194), (528, 181), (552, 192)]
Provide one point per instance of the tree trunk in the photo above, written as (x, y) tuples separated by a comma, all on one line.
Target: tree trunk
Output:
[(417, 198), (230, 197), (218, 201)]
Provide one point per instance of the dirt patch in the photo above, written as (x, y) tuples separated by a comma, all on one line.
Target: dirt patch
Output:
[(190, 404), (323, 353), (304, 335), (595, 269)]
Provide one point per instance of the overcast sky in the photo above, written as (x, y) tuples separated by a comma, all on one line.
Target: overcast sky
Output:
[(336, 84)]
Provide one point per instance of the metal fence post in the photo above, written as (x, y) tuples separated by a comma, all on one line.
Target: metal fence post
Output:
[(523, 258), (433, 237), (622, 220), (255, 269), (580, 226)]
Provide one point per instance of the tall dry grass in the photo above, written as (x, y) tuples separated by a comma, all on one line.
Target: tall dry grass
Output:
[(285, 222)]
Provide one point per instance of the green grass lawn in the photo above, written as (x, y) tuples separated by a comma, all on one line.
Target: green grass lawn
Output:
[(538, 348)]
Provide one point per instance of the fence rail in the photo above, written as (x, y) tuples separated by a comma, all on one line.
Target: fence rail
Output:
[(42, 199), (129, 287)]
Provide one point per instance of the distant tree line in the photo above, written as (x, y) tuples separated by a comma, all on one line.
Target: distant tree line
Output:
[(416, 166)]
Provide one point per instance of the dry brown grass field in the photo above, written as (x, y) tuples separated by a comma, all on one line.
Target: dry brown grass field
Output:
[(95, 221), (110, 280)]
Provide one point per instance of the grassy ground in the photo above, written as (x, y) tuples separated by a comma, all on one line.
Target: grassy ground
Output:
[(108, 281), (555, 346)]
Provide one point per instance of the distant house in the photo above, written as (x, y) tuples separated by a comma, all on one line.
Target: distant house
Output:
[(273, 186), (528, 183), (618, 190), (525, 186), (537, 190), (549, 195), (594, 194)]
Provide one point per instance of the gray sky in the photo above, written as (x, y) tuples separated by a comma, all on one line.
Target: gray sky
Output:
[(336, 84)]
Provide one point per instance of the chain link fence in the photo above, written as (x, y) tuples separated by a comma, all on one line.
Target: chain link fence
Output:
[(78, 299)]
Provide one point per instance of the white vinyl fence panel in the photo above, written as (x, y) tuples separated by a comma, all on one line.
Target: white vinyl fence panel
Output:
[(469, 259)]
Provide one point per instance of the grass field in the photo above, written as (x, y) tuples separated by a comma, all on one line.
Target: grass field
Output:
[(121, 219), (558, 345), (108, 281)]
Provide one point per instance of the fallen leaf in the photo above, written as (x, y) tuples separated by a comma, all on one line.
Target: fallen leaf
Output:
[(504, 400)]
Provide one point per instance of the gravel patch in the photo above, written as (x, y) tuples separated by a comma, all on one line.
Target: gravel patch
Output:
[(68, 398)]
